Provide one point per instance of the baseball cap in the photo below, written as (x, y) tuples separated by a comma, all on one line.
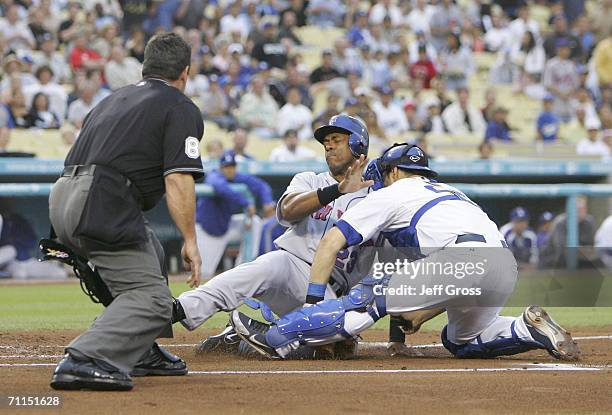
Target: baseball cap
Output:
[(563, 42), (519, 213), (385, 90), (227, 159), (548, 97), (545, 217), (267, 25), (235, 47), (409, 104)]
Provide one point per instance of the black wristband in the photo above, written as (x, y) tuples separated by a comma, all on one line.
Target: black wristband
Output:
[(396, 334), (313, 299), (328, 194)]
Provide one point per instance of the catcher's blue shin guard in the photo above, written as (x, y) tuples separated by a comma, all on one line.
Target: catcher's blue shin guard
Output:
[(329, 321), (480, 350)]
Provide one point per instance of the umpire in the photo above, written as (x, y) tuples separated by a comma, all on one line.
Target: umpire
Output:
[(137, 144)]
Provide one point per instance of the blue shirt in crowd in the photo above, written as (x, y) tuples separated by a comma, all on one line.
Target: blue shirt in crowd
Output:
[(497, 131), (548, 125)]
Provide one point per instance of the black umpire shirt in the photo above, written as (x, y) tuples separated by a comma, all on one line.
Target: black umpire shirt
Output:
[(144, 131)]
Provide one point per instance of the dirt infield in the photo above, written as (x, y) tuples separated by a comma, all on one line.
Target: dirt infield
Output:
[(371, 383)]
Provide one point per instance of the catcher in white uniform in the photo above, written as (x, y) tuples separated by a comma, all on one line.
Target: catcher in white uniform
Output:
[(465, 267), (311, 205)]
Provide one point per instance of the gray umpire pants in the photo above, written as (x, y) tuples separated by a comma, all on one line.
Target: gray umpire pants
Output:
[(142, 306)]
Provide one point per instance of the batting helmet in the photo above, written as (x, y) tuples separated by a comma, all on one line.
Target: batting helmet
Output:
[(359, 140), (406, 157)]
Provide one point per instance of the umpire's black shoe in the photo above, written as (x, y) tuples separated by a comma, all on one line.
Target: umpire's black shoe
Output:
[(73, 374), (160, 362)]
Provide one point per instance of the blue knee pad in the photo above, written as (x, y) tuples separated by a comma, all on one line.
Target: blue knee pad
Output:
[(489, 350), (325, 319)]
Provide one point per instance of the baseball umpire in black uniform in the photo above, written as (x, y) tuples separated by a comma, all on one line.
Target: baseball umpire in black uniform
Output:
[(135, 145)]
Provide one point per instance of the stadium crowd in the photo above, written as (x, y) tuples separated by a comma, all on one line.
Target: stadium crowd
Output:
[(403, 66)]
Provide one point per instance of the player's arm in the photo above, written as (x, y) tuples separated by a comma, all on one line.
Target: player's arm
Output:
[(323, 263), (181, 200), (297, 205)]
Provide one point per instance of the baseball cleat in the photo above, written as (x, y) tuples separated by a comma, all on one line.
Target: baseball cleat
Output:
[(250, 331), (552, 336), (76, 374), (225, 342)]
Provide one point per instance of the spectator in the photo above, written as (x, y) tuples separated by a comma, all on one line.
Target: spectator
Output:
[(419, 17), (548, 123), (497, 128), (270, 49), (582, 31), (285, 31), (433, 122), (258, 110), (413, 50), (325, 13), (216, 104), (561, 80), (414, 122), (49, 56), (197, 84), (122, 70), (15, 31), (521, 239), (601, 16), (554, 251), (16, 103), (39, 115), (14, 69), (423, 70), (445, 20), (561, 33), (326, 71), (82, 57), (463, 118), (106, 38), (602, 58), (498, 37), (389, 115), (378, 71), (299, 8), (135, 45), (291, 150), (593, 145), (331, 109), (55, 92), (544, 225), (490, 99), (485, 150), (37, 26), (383, 9), (359, 33), (523, 24), (238, 151), (69, 27), (529, 59), (456, 63), (81, 107), (295, 116), (235, 21), (346, 59), (603, 242)]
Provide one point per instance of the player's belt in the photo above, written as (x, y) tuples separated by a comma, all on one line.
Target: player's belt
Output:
[(335, 285), (470, 237), (79, 170)]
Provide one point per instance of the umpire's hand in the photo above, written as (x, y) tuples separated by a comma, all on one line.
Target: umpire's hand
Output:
[(192, 262)]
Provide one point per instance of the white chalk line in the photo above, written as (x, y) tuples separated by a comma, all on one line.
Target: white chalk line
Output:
[(366, 344), (518, 367)]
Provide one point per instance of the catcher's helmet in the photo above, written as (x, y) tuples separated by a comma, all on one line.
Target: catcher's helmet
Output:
[(373, 172), (406, 157), (359, 140)]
